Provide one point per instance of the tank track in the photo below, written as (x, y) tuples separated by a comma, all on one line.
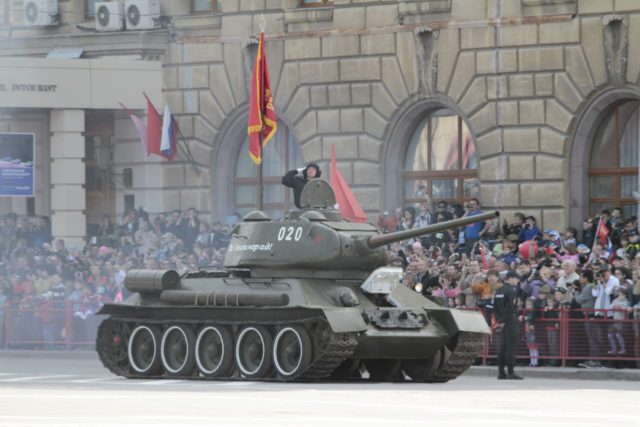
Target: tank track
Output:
[(467, 349), (336, 348), (339, 349)]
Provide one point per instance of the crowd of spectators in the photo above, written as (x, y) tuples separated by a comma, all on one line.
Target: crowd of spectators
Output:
[(595, 274), (41, 277), (595, 271)]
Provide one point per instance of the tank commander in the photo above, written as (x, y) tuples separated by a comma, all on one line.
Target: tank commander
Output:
[(296, 182)]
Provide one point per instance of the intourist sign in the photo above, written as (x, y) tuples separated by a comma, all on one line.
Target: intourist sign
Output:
[(78, 83), (45, 84), (27, 87)]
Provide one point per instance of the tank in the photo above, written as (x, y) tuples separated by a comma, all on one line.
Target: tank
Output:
[(311, 297)]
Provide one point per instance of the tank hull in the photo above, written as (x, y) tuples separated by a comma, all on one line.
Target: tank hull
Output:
[(299, 329)]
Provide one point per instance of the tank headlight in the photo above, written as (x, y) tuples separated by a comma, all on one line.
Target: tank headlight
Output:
[(418, 288), (348, 298)]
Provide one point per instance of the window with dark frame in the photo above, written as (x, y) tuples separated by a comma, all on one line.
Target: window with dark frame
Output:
[(205, 6), (613, 166), (99, 187), (441, 161), (282, 154)]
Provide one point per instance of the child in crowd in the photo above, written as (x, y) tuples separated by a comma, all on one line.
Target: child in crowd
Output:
[(459, 302), (570, 234), (529, 319), (616, 341)]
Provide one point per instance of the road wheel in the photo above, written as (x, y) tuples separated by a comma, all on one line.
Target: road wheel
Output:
[(214, 351), (292, 351), (421, 369), (254, 351), (143, 349), (440, 375), (177, 350), (348, 370)]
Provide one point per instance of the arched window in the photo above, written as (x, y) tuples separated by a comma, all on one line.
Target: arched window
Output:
[(441, 160), (281, 154), (613, 168)]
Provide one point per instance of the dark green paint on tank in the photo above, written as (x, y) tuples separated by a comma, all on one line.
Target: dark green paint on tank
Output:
[(306, 298)]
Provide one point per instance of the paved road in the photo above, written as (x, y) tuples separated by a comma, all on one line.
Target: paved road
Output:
[(78, 391)]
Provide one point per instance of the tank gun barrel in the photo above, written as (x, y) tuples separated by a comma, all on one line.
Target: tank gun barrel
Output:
[(385, 239)]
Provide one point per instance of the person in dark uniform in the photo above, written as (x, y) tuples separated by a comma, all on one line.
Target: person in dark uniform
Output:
[(506, 312), (293, 180)]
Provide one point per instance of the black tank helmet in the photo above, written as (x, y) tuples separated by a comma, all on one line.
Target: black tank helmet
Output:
[(311, 165)]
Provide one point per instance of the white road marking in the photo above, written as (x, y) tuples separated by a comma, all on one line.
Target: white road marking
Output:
[(36, 378), (90, 380), (559, 415), (241, 384), (160, 382), (257, 420), (120, 380)]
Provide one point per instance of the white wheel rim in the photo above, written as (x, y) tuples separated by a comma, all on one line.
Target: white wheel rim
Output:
[(198, 342), (130, 348), (162, 349), (239, 343), (275, 350)]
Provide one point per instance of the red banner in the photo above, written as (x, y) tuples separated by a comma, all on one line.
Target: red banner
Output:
[(603, 232), (347, 202), (262, 116), (154, 129)]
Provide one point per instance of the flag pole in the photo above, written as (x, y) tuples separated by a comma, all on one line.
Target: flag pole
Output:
[(187, 153), (260, 136), (260, 185), (595, 240)]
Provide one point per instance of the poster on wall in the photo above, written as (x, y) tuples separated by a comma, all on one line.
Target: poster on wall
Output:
[(17, 173)]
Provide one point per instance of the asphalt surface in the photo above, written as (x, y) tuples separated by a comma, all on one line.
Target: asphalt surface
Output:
[(73, 389), (87, 361)]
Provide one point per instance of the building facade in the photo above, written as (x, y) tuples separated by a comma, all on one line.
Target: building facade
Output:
[(528, 105)]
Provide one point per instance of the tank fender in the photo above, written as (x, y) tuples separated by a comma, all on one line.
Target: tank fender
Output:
[(345, 319), (455, 321), (132, 300)]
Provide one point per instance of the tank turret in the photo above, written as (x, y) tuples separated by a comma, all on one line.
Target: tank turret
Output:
[(315, 242)]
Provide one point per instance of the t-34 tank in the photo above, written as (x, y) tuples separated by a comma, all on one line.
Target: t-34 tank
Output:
[(308, 298)]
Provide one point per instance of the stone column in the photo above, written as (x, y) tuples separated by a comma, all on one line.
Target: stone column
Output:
[(68, 199)]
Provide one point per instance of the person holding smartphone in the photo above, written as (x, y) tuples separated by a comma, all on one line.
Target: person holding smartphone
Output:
[(473, 232)]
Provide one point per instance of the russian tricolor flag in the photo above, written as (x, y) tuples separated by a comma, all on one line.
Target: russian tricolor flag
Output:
[(169, 139)]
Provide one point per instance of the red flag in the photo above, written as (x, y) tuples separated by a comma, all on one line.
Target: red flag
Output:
[(154, 129), (347, 202), (603, 232), (483, 256), (262, 116)]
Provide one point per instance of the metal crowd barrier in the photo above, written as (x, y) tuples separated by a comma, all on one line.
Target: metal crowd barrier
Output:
[(559, 337), (46, 326), (563, 337)]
